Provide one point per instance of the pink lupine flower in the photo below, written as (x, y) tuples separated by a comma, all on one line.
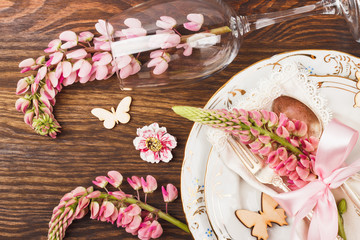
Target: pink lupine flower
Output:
[(166, 22), (28, 117), (164, 40), (85, 36), (160, 60), (71, 39), (150, 230), (119, 194), (83, 66), (94, 194), (41, 74), (150, 185), (170, 193), (135, 182), (26, 64), (94, 209), (47, 91), (22, 104), (115, 178), (106, 210), (187, 49), (196, 21), (104, 28), (79, 191), (100, 181), (53, 46), (154, 143), (134, 29), (55, 58), (77, 54), (22, 86)]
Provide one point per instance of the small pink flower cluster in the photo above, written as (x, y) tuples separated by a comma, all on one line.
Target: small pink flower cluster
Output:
[(115, 207)]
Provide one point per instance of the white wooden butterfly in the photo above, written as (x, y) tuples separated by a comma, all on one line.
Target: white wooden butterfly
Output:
[(113, 117)]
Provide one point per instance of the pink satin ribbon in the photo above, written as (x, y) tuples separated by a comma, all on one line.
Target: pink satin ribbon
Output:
[(336, 143)]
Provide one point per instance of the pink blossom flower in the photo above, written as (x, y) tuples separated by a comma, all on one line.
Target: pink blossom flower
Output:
[(94, 194), (170, 193), (160, 61), (196, 21), (41, 74), (77, 54), (165, 39), (28, 117), (115, 178), (83, 66), (154, 143), (94, 209), (150, 185), (166, 22), (100, 181)]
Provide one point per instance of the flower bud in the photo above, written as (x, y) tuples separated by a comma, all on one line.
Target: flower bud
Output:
[(342, 206), (170, 194)]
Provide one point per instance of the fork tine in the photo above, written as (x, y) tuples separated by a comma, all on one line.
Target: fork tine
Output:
[(246, 159)]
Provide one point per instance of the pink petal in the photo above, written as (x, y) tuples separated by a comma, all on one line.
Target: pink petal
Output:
[(58, 71), (77, 65), (76, 54), (85, 36), (195, 17), (68, 36), (57, 57), (157, 53), (103, 28), (192, 26), (27, 63), (160, 68), (84, 69), (66, 68), (101, 72), (132, 23), (22, 86), (70, 79), (85, 79), (105, 59), (155, 62), (41, 74), (123, 61), (109, 210), (134, 32), (135, 67), (166, 22), (69, 44), (125, 71)]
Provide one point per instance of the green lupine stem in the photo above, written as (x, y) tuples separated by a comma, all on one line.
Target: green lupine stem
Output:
[(151, 209), (202, 116)]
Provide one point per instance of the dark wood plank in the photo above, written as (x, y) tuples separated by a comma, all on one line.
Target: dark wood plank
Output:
[(36, 171)]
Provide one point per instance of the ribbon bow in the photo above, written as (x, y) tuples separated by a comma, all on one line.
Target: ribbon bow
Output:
[(336, 143)]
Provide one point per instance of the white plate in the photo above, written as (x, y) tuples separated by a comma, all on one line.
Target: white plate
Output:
[(335, 69)]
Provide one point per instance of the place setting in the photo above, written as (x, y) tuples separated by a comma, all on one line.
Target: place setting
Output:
[(274, 153)]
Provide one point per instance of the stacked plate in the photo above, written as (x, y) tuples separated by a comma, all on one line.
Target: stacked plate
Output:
[(211, 193)]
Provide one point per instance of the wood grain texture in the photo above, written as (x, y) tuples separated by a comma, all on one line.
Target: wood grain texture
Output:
[(36, 171)]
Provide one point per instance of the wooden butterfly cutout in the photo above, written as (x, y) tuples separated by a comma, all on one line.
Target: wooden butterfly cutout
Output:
[(113, 117), (259, 221)]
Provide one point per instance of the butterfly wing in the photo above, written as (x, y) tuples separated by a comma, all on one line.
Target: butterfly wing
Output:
[(270, 212), (122, 109), (106, 116), (255, 220)]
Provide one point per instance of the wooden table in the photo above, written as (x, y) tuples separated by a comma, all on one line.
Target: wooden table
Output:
[(36, 171)]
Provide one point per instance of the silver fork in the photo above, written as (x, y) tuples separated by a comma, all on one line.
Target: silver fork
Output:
[(255, 165)]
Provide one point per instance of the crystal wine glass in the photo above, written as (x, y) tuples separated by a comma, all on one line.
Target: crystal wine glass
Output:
[(151, 39)]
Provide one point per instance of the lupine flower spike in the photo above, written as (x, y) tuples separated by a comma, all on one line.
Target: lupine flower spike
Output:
[(282, 142), (115, 207)]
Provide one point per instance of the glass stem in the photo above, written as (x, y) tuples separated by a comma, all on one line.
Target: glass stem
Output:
[(257, 21)]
